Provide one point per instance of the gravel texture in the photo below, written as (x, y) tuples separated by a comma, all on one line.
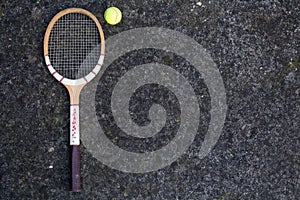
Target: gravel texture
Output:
[(256, 46)]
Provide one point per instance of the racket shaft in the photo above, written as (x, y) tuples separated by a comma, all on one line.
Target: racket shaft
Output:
[(75, 148), (74, 124)]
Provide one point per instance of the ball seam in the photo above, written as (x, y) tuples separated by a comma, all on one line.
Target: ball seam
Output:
[(116, 14)]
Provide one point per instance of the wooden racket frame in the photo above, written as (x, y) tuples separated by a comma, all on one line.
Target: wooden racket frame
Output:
[(74, 87)]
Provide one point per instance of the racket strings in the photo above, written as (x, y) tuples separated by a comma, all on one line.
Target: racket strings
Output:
[(72, 40)]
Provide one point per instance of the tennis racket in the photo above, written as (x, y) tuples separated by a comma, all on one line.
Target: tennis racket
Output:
[(70, 39)]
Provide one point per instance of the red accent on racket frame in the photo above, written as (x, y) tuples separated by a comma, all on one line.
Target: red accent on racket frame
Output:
[(85, 80)]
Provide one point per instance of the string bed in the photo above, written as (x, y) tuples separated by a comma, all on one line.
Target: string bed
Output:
[(73, 37)]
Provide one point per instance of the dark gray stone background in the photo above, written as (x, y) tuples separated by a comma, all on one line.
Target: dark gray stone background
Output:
[(255, 45)]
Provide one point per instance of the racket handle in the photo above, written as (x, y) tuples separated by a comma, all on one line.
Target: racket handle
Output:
[(75, 170)]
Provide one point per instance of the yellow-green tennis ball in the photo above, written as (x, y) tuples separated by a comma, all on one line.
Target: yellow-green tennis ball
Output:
[(112, 15)]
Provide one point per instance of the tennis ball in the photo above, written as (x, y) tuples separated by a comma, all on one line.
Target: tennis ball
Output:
[(112, 15)]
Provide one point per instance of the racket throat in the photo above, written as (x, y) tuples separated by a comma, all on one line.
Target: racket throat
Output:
[(74, 92)]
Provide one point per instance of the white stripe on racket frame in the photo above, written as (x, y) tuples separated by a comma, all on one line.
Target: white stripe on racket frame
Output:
[(80, 81)]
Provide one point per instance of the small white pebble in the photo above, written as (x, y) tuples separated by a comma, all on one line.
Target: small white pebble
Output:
[(51, 149), (50, 167), (244, 126), (199, 3)]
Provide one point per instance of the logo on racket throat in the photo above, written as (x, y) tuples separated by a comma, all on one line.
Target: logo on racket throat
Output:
[(74, 125)]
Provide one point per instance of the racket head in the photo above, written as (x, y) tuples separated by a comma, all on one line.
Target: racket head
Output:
[(72, 51)]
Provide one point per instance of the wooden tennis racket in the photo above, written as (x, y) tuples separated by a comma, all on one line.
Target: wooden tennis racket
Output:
[(70, 39)]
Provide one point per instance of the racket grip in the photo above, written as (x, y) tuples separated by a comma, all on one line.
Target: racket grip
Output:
[(75, 170)]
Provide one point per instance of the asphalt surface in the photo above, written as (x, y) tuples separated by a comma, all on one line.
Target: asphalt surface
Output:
[(256, 48)]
